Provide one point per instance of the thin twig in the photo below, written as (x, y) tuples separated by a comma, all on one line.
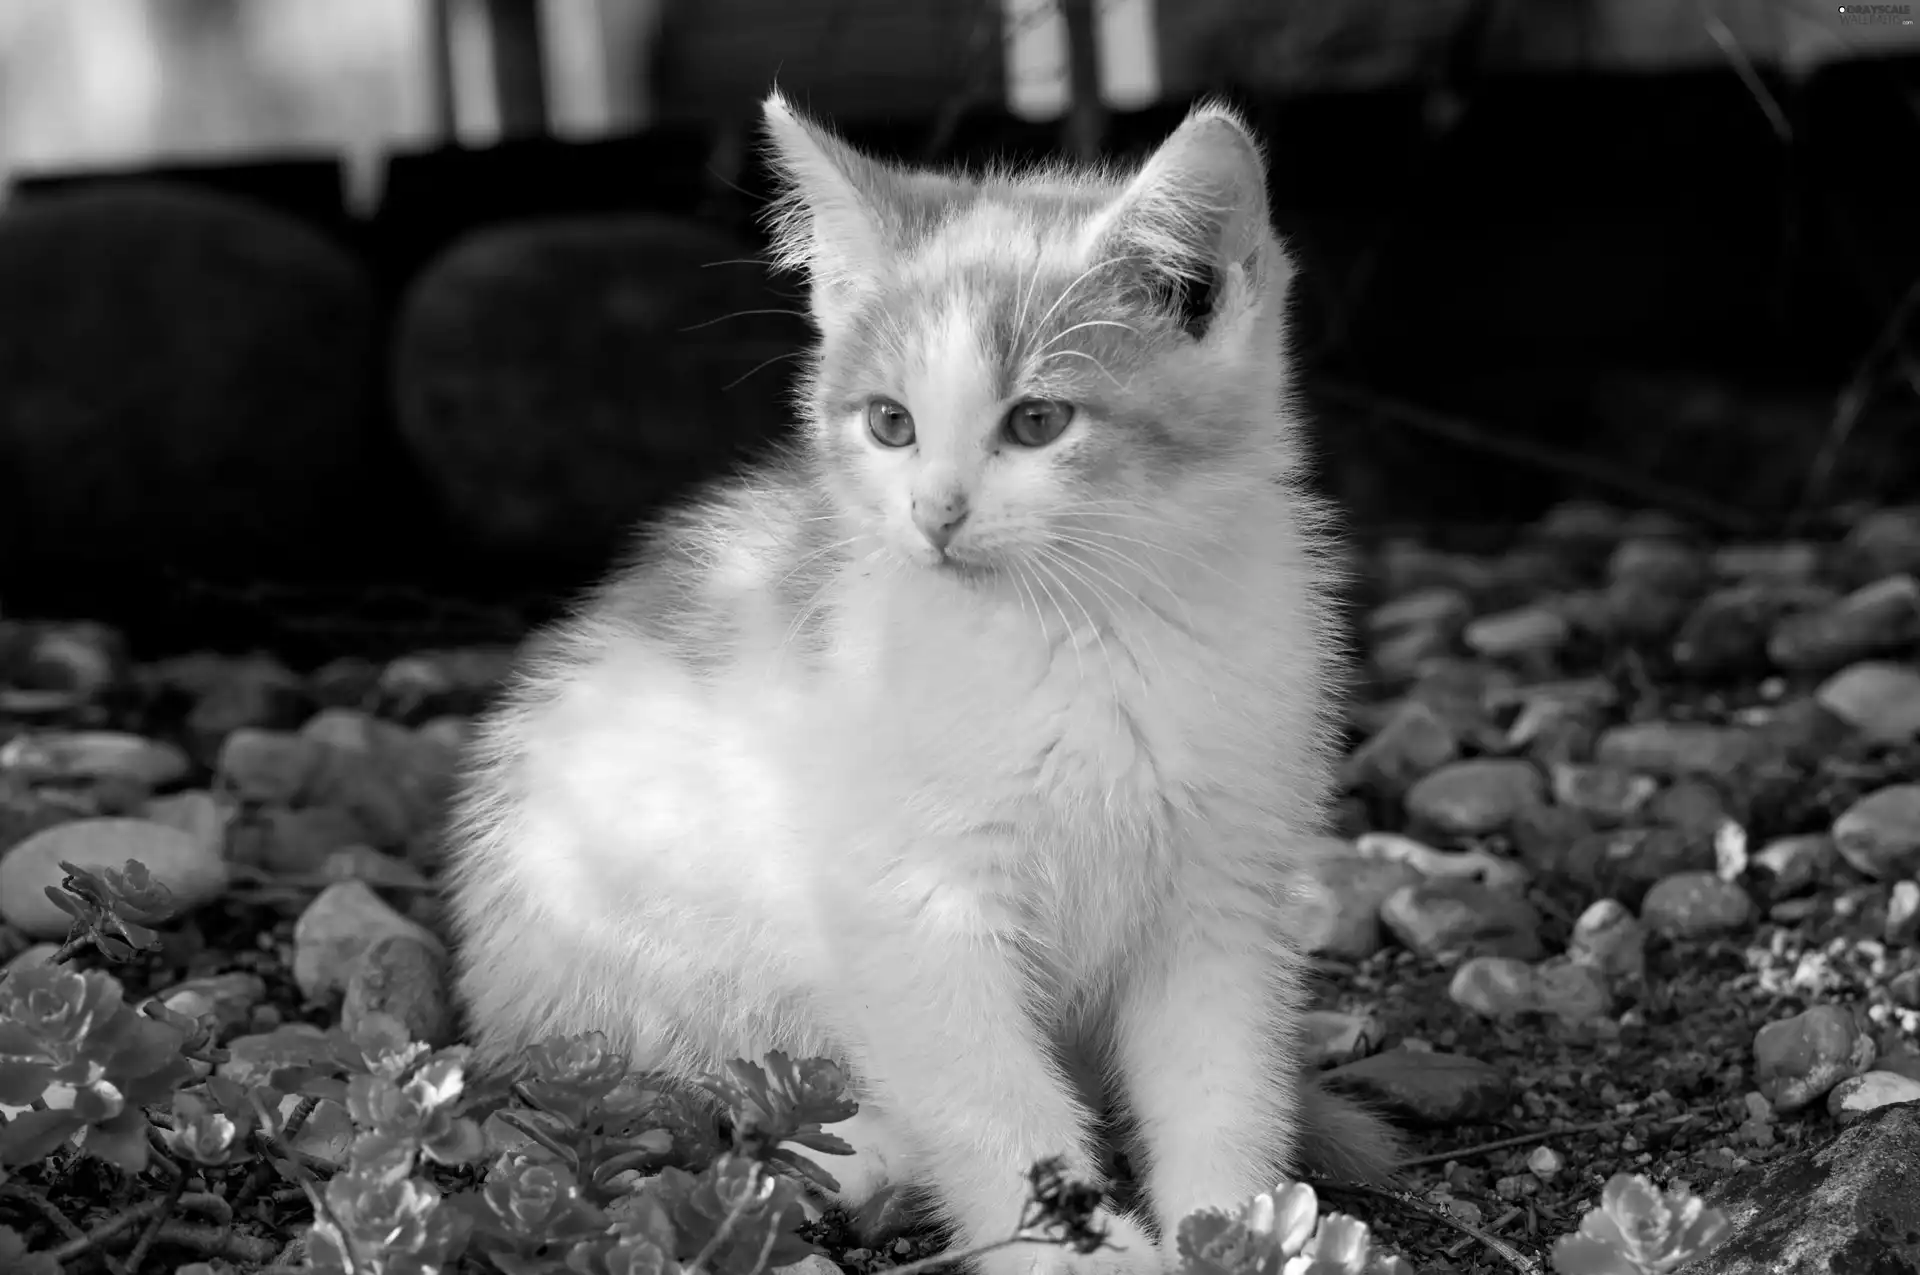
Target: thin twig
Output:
[(89, 1241), (145, 1242), (1406, 1199), (1525, 1139), (1467, 434), (1851, 402)]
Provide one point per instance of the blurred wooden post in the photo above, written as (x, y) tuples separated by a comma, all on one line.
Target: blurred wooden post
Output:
[(519, 67), (446, 124), (1086, 122)]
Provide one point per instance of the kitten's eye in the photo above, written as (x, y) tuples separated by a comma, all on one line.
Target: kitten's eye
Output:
[(890, 424), (1038, 421)]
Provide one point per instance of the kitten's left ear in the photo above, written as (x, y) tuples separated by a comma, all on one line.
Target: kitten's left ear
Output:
[(829, 219), (1195, 217)]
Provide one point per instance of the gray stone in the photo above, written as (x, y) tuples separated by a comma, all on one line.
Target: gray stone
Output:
[(1474, 798), (1879, 700), (1675, 750), (1876, 618), (1880, 833), (1438, 918), (188, 866), (336, 931), (1797, 1060), (1847, 1206), (1695, 905)]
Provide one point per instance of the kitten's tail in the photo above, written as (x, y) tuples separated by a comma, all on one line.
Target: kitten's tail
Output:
[(1342, 1139)]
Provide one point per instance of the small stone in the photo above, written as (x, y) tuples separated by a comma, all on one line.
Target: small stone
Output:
[(1625, 863), (1496, 987), (1462, 917), (296, 842), (1571, 991), (191, 869), (1691, 805), (1857, 1095), (81, 658), (1413, 741), (1352, 889), (382, 871), (1677, 750), (1609, 938), (1328, 1038), (256, 692), (336, 930), (94, 756), (1727, 632), (1903, 914), (1546, 837), (1791, 561), (1881, 701), (1474, 798), (1695, 905), (1798, 1060), (1441, 865), (1609, 795), (272, 768), (1885, 542), (1436, 608), (406, 978), (198, 813), (1879, 617), (1657, 562), (38, 954), (1427, 1086), (1797, 864), (1532, 632), (1880, 833), (1545, 1163)]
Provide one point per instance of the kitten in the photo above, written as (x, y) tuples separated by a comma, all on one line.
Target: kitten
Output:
[(992, 719)]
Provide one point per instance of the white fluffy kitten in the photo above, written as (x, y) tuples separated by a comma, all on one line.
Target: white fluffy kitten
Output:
[(989, 725)]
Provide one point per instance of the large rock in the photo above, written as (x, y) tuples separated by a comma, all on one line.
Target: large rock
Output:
[(1851, 1204), (559, 379), (183, 377)]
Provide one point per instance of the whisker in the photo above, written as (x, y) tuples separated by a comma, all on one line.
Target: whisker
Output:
[(741, 314)]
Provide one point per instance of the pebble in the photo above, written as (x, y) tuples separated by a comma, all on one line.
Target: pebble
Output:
[(187, 865), (1903, 915), (338, 928), (1691, 805), (1329, 1038), (1625, 863), (1468, 865), (1873, 619), (1494, 987), (1880, 833), (273, 768), (1676, 750), (1545, 1163), (1427, 1086), (1609, 795), (1352, 888), (1881, 701), (1695, 905), (1797, 864), (1658, 562), (1886, 542), (1610, 939), (200, 814), (1412, 741), (255, 692), (1474, 798), (1531, 632), (1444, 917), (1727, 633), (296, 842), (1790, 560), (94, 756), (407, 978), (1798, 1060), (1435, 608), (1857, 1095)]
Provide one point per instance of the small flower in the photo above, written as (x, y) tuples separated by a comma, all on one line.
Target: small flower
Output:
[(201, 1132), (526, 1195), (1640, 1230)]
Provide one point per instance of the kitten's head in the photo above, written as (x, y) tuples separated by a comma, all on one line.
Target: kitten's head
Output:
[(1022, 373)]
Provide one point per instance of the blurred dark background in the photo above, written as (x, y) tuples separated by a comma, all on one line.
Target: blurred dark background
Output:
[(326, 321)]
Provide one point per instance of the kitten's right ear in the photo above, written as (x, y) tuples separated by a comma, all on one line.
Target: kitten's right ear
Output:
[(828, 217)]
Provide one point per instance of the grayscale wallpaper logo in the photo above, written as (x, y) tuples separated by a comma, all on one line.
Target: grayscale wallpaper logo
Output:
[(1877, 15)]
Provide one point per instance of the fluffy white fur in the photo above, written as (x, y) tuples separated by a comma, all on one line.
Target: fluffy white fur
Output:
[(796, 779)]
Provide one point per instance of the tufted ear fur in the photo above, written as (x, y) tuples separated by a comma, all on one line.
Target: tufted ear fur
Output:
[(831, 217), (1196, 218)]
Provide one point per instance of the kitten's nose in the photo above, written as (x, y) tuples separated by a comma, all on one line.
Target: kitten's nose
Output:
[(938, 519)]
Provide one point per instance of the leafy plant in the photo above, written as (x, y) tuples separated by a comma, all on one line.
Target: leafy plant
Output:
[(1281, 1232), (114, 909), (1640, 1230)]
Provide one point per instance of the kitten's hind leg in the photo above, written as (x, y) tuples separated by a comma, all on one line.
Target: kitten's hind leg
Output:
[(878, 1159)]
